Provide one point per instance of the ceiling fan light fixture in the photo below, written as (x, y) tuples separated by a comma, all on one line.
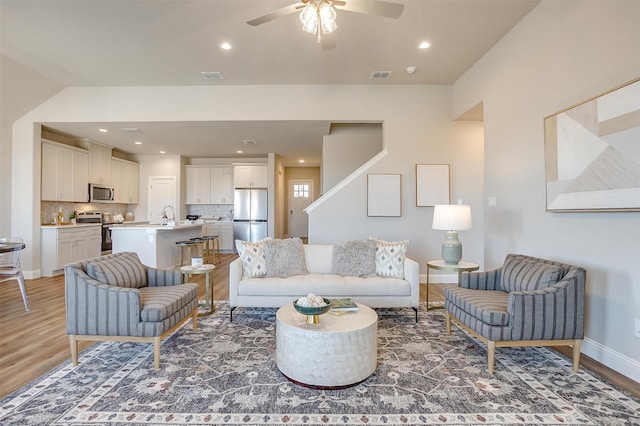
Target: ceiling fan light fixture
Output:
[(309, 18), (327, 18)]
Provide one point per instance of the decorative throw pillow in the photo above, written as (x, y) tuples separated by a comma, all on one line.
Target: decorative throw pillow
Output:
[(284, 258), (390, 258), (124, 270), (520, 274), (252, 257), (354, 258)]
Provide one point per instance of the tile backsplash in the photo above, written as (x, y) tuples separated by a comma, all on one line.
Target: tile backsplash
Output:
[(210, 210), (49, 209)]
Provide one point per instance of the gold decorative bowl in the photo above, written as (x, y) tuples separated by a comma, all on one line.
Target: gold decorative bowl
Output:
[(313, 312)]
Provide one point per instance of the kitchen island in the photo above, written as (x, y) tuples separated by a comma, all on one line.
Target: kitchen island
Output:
[(154, 244)]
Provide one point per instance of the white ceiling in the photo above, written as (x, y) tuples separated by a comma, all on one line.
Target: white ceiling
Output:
[(170, 42)]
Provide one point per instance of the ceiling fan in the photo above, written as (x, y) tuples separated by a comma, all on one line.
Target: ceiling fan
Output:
[(319, 16)]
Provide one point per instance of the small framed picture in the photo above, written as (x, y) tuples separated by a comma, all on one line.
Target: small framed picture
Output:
[(384, 195)]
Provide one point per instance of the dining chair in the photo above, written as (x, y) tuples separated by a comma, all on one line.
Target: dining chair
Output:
[(10, 265)]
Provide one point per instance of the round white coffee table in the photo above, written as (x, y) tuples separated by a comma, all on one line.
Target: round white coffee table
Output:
[(338, 352)]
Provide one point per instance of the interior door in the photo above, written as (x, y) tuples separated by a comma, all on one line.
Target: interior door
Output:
[(162, 192), (300, 196)]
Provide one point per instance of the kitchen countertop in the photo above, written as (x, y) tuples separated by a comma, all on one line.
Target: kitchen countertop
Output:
[(69, 225), (157, 227)]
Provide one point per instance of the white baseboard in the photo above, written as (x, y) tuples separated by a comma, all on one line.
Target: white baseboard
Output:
[(614, 360), (31, 275)]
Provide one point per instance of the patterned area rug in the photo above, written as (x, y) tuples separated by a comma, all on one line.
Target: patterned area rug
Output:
[(225, 373)]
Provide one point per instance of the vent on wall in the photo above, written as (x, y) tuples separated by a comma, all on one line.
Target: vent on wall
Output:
[(212, 75), (380, 75)]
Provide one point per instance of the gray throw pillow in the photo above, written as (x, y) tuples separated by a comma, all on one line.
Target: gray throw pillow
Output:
[(124, 270), (355, 258), (284, 258), (520, 274)]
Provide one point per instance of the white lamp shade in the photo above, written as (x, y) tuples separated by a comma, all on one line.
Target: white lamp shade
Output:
[(452, 217)]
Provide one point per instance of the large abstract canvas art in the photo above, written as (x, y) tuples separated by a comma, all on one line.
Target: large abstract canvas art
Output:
[(592, 153)]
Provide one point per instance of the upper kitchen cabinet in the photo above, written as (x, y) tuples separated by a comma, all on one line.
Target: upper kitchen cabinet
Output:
[(64, 173), (99, 163), (198, 185), (222, 185), (209, 185), (125, 179), (250, 176)]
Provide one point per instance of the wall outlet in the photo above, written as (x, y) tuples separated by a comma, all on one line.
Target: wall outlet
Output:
[(637, 328)]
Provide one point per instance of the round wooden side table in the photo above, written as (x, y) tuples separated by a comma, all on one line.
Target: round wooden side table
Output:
[(441, 265), (189, 270)]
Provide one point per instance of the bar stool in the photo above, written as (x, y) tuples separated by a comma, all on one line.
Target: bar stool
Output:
[(200, 246), (212, 247), (188, 245)]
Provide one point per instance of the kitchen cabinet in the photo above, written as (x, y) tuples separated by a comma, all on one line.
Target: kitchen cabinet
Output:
[(99, 163), (68, 244), (209, 185), (198, 185), (125, 180), (222, 185), (64, 173), (224, 231), (250, 176)]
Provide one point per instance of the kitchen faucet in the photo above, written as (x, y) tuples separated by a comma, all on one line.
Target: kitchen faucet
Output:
[(164, 214)]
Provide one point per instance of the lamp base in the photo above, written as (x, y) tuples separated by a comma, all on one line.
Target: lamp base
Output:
[(451, 249)]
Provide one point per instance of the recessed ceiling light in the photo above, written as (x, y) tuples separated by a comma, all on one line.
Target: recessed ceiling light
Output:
[(300, 161), (163, 152), (103, 130), (225, 46), (424, 45), (239, 152), (138, 143)]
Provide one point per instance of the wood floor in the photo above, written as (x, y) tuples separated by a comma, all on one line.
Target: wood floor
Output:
[(32, 343)]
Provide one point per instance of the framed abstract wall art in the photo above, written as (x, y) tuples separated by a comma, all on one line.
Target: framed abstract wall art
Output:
[(384, 192), (592, 153), (432, 184)]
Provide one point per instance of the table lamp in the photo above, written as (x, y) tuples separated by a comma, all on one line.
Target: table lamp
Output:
[(452, 218)]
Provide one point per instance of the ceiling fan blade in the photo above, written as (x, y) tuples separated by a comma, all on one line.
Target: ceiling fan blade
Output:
[(328, 41), (278, 13), (373, 7)]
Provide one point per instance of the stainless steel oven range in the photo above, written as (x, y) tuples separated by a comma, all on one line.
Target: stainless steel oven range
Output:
[(98, 217)]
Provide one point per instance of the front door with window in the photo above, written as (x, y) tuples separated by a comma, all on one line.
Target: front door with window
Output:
[(300, 196)]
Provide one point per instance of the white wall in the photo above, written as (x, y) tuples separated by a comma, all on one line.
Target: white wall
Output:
[(346, 148), (560, 54), (20, 90)]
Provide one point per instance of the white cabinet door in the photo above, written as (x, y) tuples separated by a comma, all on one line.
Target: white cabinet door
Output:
[(253, 176), (222, 185), (226, 240), (130, 182), (198, 185), (64, 173), (116, 180), (99, 164)]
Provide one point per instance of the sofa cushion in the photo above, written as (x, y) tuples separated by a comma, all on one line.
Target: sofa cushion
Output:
[(252, 257), (389, 257), (125, 270), (318, 258), (521, 274), (325, 285), (284, 258), (488, 306), (356, 258), (159, 303)]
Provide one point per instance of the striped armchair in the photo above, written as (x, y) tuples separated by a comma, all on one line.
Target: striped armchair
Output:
[(526, 302), (116, 297)]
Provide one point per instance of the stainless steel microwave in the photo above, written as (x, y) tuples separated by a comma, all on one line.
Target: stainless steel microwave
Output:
[(100, 193)]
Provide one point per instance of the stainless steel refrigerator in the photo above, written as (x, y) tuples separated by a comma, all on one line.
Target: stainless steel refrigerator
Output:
[(250, 214)]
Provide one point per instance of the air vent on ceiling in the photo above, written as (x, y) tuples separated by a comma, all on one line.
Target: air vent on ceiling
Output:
[(130, 129), (380, 75), (250, 142), (212, 75)]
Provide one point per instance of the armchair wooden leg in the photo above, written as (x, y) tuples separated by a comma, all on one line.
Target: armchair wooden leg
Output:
[(74, 349), (491, 354), (447, 315), (156, 352), (195, 319), (576, 355)]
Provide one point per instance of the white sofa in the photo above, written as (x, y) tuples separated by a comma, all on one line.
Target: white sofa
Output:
[(375, 292)]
